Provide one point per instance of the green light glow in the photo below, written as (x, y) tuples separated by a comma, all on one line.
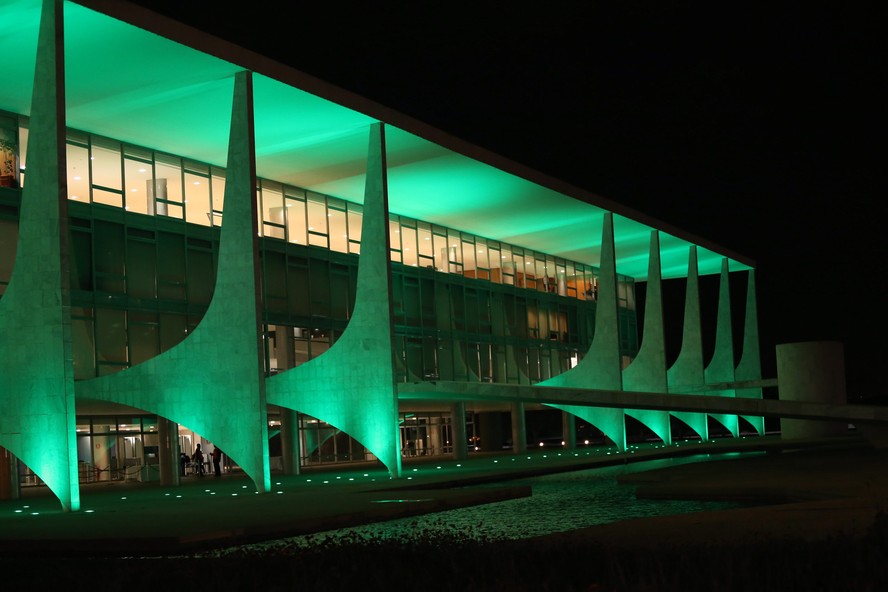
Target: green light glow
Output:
[(220, 360), (352, 385), (123, 80), (600, 367), (37, 421)]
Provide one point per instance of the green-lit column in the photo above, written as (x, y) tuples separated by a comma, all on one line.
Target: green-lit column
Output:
[(721, 366), (686, 373), (750, 366), (600, 367), (647, 372), (37, 419), (352, 385), (213, 381)]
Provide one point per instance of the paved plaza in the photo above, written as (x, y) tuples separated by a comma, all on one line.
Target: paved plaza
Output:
[(146, 519)]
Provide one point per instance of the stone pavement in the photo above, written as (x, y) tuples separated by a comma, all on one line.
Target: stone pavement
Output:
[(145, 519)]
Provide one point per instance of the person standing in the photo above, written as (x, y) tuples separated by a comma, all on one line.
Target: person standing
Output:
[(217, 458), (198, 460)]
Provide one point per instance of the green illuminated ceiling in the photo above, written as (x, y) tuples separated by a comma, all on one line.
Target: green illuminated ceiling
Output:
[(133, 85)]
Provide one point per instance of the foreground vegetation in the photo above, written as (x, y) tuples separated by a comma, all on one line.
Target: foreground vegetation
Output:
[(462, 562)]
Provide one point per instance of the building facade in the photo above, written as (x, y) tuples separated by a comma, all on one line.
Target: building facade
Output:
[(270, 290)]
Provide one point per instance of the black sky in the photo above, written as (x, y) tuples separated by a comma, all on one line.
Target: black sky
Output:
[(758, 128)]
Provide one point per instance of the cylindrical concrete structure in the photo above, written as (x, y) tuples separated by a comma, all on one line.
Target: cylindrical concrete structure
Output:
[(811, 372), (519, 429), (458, 431)]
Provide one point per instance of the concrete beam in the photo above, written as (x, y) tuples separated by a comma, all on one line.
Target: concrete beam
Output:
[(555, 396)]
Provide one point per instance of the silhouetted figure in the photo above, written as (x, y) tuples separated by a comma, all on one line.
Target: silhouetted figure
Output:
[(197, 459), (217, 458), (183, 461)]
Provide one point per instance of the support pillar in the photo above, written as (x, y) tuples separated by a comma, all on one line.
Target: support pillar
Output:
[(569, 430), (291, 451), (458, 431), (170, 465), (519, 429)]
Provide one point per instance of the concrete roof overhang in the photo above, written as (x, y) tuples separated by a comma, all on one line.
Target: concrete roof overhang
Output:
[(136, 76)]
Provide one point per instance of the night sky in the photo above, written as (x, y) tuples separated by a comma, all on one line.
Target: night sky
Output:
[(758, 128)]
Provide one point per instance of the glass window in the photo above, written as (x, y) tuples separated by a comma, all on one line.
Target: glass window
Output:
[(138, 186), (272, 203), (495, 262), (394, 233), (111, 335), (507, 264), (338, 230), (106, 165), (218, 192), (468, 254), (355, 219), (408, 246), (424, 240), (108, 198), (317, 220), (141, 268), (200, 281), (78, 172), (296, 226), (169, 170), (173, 329), (439, 244), (144, 339), (197, 199)]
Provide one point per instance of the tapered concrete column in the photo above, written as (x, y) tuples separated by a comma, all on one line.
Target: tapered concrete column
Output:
[(569, 430), (458, 431), (601, 367), (750, 366), (647, 372), (352, 385), (721, 367), (519, 429), (813, 372), (213, 381), (685, 376), (37, 413)]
